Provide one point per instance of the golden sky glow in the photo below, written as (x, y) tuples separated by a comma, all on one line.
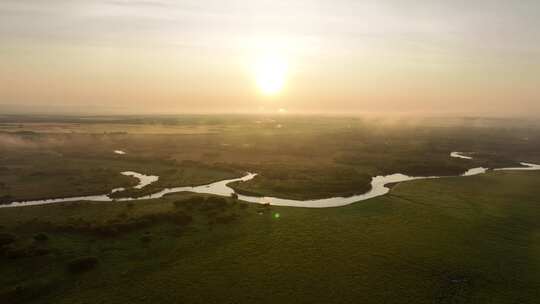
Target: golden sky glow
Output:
[(270, 73), (345, 56)]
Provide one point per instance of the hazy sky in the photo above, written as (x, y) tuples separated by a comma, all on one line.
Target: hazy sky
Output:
[(343, 56)]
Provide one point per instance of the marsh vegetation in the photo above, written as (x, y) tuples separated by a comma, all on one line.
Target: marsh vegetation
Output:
[(470, 240), (307, 158)]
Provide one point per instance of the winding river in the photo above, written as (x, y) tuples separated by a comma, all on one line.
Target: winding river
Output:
[(379, 187)]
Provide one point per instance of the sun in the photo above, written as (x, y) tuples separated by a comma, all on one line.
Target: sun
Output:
[(270, 74)]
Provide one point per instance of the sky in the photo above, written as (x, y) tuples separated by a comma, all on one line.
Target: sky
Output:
[(343, 56)]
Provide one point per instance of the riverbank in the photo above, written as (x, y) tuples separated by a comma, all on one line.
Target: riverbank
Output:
[(379, 187)]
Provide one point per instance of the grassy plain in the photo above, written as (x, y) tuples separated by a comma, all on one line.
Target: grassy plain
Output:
[(455, 240), (295, 156), (452, 240)]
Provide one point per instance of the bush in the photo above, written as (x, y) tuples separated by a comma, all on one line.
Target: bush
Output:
[(82, 264), (179, 204), (107, 230), (213, 203), (146, 238), (180, 218), (6, 239), (24, 252), (15, 253), (26, 292), (39, 251), (189, 203), (5, 199), (41, 237), (225, 219)]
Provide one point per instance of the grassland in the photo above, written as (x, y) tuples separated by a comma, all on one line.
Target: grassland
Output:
[(456, 240), (452, 240), (295, 156)]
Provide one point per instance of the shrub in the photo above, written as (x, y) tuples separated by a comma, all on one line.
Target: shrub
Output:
[(110, 230), (82, 264), (6, 199), (6, 239), (179, 204), (146, 238), (25, 292), (181, 218), (225, 219), (190, 202), (36, 251), (15, 253), (41, 237), (214, 203)]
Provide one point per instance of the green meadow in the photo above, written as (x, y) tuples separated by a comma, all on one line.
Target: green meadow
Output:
[(455, 240), (451, 240)]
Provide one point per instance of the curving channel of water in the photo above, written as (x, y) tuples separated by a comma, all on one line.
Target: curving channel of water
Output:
[(379, 187), (460, 155), (144, 180)]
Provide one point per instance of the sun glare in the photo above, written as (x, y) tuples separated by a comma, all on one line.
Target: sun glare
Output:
[(270, 74)]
